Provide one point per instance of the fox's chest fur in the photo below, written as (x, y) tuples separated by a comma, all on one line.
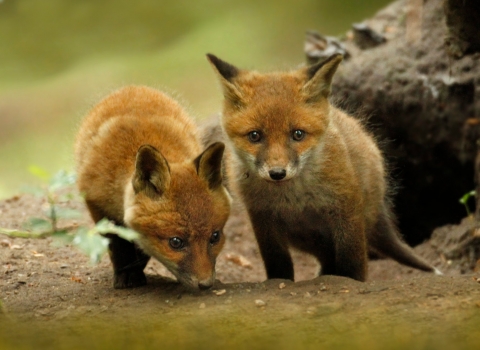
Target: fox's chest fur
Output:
[(295, 214)]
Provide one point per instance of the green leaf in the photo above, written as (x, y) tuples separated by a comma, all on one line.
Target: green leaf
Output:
[(39, 172), (67, 213), (466, 197), (105, 226), (91, 243), (39, 225), (63, 237), (61, 180)]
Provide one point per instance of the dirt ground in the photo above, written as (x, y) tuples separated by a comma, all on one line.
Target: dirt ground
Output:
[(53, 297)]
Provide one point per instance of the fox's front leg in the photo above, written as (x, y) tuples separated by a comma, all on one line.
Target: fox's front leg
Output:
[(273, 248), (128, 263), (350, 247)]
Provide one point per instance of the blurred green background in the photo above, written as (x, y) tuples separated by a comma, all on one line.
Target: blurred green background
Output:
[(59, 57)]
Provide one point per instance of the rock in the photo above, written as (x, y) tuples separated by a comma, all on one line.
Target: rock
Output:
[(260, 303)]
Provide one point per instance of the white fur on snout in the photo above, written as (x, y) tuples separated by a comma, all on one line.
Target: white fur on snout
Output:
[(263, 172)]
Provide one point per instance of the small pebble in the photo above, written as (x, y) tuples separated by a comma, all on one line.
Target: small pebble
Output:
[(281, 285), (260, 303)]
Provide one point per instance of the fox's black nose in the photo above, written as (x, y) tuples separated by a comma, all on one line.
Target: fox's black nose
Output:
[(277, 173)]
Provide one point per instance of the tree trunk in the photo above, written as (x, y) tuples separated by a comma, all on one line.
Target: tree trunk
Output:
[(423, 106), (463, 23)]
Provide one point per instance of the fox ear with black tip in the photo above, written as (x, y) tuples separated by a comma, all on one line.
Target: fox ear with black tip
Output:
[(152, 173), (227, 74), (209, 165), (319, 78)]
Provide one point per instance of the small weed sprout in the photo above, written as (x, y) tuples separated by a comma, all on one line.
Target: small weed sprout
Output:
[(89, 240), (464, 200), (56, 192)]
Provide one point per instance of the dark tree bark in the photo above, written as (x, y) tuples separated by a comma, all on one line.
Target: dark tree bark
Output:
[(463, 23), (424, 104)]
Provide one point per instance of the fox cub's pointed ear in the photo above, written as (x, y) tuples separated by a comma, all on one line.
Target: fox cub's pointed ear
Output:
[(227, 74), (209, 165), (152, 173), (226, 70), (319, 78)]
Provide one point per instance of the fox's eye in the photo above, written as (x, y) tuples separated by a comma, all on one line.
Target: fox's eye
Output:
[(254, 136), (176, 243), (298, 135), (215, 237)]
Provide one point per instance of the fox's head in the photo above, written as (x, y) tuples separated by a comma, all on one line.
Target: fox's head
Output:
[(275, 121), (180, 210)]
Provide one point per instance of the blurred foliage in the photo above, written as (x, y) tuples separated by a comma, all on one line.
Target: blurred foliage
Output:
[(43, 37), (58, 191), (58, 58), (93, 244)]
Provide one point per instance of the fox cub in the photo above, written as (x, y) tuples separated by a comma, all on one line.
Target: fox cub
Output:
[(139, 164), (309, 175)]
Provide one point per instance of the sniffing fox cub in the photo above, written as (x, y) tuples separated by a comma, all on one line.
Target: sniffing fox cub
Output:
[(309, 175), (139, 163)]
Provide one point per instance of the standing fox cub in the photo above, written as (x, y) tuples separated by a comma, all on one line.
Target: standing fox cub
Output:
[(139, 164), (309, 175)]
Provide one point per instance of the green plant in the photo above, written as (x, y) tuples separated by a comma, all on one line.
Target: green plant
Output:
[(59, 190), (464, 200)]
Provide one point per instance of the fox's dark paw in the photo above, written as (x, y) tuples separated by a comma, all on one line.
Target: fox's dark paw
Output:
[(129, 279)]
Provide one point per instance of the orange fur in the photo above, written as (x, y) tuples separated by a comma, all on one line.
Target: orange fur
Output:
[(139, 164), (314, 179)]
